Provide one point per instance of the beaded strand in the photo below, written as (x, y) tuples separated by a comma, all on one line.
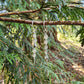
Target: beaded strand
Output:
[(34, 41), (45, 42)]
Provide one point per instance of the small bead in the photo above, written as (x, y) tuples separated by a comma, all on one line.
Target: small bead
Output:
[(46, 57), (46, 47), (34, 55), (45, 42)]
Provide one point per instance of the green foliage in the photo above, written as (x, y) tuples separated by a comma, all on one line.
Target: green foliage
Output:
[(16, 49)]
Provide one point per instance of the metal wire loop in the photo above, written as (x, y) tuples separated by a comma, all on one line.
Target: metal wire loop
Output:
[(32, 23), (44, 24)]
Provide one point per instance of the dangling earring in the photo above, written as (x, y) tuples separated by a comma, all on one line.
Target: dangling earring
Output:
[(34, 41), (45, 41)]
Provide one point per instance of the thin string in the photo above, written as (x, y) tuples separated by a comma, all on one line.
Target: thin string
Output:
[(45, 41)]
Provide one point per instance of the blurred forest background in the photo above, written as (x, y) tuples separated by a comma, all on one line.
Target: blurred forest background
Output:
[(64, 63)]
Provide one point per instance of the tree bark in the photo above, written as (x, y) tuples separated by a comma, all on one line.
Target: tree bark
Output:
[(55, 36)]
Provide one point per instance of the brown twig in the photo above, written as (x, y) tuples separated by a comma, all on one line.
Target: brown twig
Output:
[(21, 12), (72, 6), (41, 22), (31, 11), (75, 2), (3, 42)]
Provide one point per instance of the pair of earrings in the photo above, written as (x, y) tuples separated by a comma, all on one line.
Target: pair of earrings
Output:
[(34, 42)]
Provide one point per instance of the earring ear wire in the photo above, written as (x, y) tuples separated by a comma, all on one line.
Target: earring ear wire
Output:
[(44, 23), (32, 23)]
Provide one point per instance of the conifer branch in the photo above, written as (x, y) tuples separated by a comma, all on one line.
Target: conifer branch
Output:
[(16, 13), (41, 22), (32, 11)]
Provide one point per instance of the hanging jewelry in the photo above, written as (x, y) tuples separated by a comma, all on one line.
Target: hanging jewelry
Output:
[(45, 42), (34, 41)]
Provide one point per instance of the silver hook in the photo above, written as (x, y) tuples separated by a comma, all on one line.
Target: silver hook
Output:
[(44, 24), (32, 23), (45, 30)]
